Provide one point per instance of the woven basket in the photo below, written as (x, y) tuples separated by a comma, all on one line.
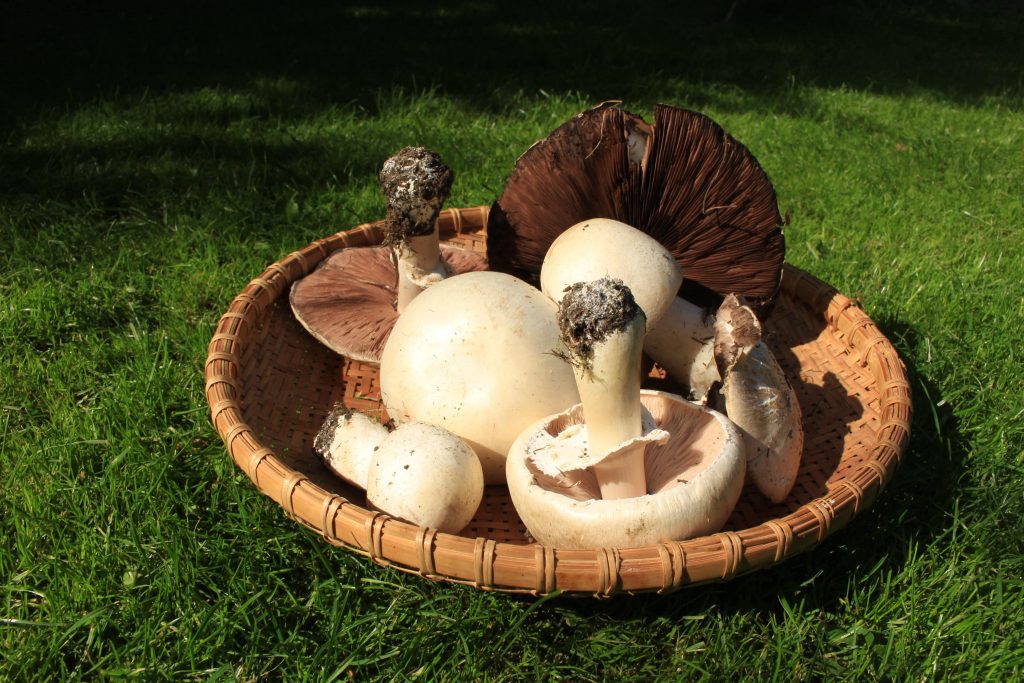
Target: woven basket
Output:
[(270, 385)]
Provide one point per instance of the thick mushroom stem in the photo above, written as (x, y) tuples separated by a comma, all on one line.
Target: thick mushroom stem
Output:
[(603, 328), (419, 265), (610, 392), (416, 183), (683, 344)]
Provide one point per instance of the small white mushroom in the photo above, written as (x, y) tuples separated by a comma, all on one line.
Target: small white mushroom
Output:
[(601, 247), (346, 442), (683, 344), (759, 399), (477, 354), (427, 476)]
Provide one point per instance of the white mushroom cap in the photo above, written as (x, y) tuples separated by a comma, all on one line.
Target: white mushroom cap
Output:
[(477, 354), (427, 476), (693, 481), (601, 247)]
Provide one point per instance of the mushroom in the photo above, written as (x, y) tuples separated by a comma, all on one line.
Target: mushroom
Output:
[(683, 181), (581, 478), (477, 354), (759, 400), (603, 328), (683, 344), (679, 334), (351, 301), (426, 475), (346, 443)]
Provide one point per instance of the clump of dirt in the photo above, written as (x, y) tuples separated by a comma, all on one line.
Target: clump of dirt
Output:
[(322, 443), (416, 183), (590, 312)]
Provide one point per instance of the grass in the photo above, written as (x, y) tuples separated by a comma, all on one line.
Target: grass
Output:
[(151, 164)]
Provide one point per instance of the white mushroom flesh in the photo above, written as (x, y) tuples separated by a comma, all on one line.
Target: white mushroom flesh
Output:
[(427, 476)]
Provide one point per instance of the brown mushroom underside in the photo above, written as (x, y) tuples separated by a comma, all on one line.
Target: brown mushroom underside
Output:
[(348, 302), (684, 181)]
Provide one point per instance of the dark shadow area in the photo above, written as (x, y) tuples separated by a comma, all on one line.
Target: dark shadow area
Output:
[(479, 52), (285, 64)]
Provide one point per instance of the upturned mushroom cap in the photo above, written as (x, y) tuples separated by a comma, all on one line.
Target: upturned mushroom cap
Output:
[(427, 476), (348, 302), (477, 354), (683, 181), (758, 398), (694, 480), (602, 247)]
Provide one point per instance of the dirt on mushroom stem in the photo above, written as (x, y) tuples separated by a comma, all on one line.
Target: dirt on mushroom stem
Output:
[(590, 312), (416, 183)]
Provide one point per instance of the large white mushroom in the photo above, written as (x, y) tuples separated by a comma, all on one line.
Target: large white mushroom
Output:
[(624, 468), (480, 355)]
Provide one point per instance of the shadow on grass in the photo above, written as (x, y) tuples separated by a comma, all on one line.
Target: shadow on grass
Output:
[(479, 52), (286, 65)]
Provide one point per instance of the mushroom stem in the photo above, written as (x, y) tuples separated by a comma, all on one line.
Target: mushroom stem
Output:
[(682, 343), (610, 392), (416, 183), (604, 329), (419, 265)]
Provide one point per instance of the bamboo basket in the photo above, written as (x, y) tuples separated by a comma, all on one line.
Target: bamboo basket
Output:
[(269, 385)]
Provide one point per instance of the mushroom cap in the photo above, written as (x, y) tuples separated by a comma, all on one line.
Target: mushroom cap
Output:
[(427, 476), (479, 354), (693, 481), (601, 247), (684, 181), (348, 302)]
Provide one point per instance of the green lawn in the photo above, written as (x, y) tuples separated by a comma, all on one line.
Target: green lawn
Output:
[(151, 165)]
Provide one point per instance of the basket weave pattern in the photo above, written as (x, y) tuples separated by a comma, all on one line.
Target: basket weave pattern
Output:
[(270, 385)]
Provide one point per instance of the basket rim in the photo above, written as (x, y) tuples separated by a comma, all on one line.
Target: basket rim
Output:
[(534, 569)]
